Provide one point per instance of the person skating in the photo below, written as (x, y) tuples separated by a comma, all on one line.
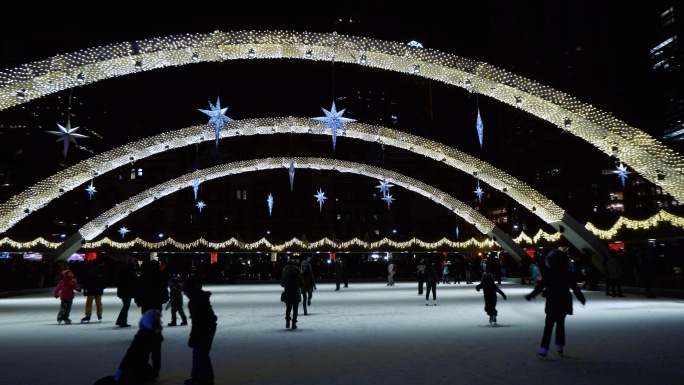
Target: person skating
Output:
[(292, 282), (202, 332), (431, 279), (420, 272), (142, 361), (93, 288), (309, 285), (489, 289), (176, 302), (65, 292), (556, 284)]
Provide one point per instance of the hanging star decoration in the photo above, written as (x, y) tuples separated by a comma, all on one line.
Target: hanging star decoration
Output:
[(320, 197), (91, 190), (291, 172), (270, 204), (622, 173), (478, 191), (195, 186), (123, 231), (384, 187), (456, 231), (66, 135), (388, 198), (480, 127), (334, 121), (217, 117), (200, 205)]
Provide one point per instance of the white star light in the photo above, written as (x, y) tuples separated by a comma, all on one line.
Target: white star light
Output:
[(91, 190), (200, 205), (480, 127), (270, 204), (292, 172), (66, 135), (195, 186), (320, 197), (334, 121), (123, 231), (388, 198), (384, 187), (217, 117), (478, 191), (622, 173)]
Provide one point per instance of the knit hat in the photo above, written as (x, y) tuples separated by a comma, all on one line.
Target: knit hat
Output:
[(151, 319)]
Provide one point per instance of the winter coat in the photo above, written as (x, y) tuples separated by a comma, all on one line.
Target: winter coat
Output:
[(94, 282), (556, 284), (153, 290), (420, 269), (146, 345), (66, 287), (613, 268), (175, 295), (126, 281), (431, 274), (308, 277), (203, 319), (292, 282), (489, 289)]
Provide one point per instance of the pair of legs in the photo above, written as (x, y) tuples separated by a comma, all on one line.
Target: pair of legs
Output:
[(64, 310), (421, 280), (557, 320), (390, 279), (178, 310), (431, 288), (614, 288), (89, 306), (291, 308), (122, 319), (306, 299), (202, 370)]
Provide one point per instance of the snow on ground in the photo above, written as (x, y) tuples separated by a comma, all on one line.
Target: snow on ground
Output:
[(368, 333)]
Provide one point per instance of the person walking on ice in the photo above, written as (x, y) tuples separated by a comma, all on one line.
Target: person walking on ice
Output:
[(489, 289), (65, 292)]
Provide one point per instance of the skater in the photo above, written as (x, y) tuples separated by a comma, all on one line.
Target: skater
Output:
[(431, 279), (555, 284), (613, 274), (176, 302), (202, 332), (489, 289), (309, 285), (391, 270), (420, 272), (153, 287), (65, 292), (93, 288), (292, 283), (446, 272), (135, 367), (126, 284), (341, 274)]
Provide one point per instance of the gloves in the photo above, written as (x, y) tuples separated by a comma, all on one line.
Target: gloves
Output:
[(477, 288), (528, 297), (504, 297), (56, 296)]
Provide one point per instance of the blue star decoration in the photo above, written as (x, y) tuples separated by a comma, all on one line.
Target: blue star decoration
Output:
[(334, 121), (200, 205), (622, 173), (388, 198), (195, 186), (123, 231), (67, 134), (384, 187), (478, 191), (291, 172), (91, 190), (270, 204), (320, 198), (480, 127), (217, 117)]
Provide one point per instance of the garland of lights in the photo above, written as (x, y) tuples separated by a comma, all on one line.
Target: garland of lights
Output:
[(635, 148), (487, 243)]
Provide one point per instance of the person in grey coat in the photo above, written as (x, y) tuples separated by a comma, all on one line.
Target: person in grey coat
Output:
[(292, 282), (555, 285)]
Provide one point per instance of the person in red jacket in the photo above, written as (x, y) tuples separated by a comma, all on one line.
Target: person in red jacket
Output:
[(65, 292)]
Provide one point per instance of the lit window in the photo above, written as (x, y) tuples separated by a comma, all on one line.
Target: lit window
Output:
[(133, 173), (140, 172)]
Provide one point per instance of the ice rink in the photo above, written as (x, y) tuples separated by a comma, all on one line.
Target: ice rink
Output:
[(368, 333)]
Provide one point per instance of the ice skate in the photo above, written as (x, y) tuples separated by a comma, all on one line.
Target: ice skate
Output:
[(85, 320), (67, 321)]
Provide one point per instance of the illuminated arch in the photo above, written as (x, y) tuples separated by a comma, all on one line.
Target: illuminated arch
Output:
[(95, 227), (37, 196), (647, 156)]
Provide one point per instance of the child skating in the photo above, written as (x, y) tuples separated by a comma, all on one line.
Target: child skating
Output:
[(65, 292), (490, 289)]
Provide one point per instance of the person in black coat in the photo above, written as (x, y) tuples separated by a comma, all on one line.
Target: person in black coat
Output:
[(202, 332), (292, 282), (555, 285), (126, 283), (489, 289), (135, 367), (431, 279), (93, 288), (153, 289)]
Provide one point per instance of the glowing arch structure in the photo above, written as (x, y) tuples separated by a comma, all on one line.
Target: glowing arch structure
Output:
[(95, 227), (37, 196), (647, 156)]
